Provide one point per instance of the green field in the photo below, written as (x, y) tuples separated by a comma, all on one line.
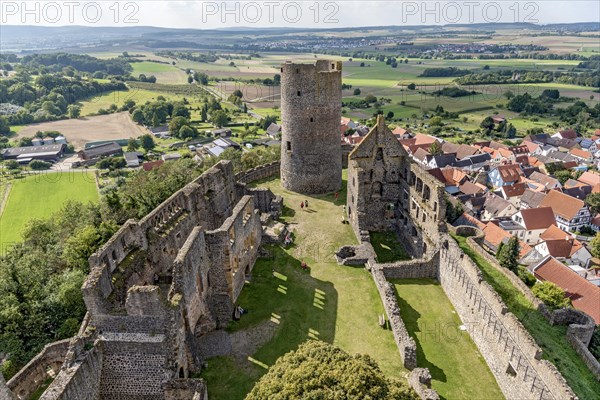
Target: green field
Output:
[(456, 366), (164, 73), (38, 196)]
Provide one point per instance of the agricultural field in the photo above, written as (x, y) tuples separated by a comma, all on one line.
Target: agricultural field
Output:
[(38, 196), (89, 129), (164, 73)]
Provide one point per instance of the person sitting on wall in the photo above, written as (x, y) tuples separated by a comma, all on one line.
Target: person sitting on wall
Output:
[(303, 266)]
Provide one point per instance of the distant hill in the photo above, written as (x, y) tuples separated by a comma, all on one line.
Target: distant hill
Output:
[(17, 38)]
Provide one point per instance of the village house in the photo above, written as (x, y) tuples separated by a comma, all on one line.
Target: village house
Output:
[(274, 131), (513, 193), (534, 222), (503, 175), (582, 155), (546, 181), (496, 207), (531, 199), (571, 214)]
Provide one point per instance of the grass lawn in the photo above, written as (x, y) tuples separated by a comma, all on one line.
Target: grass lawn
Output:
[(387, 247), (38, 196), (458, 370), (165, 73), (552, 339), (330, 302)]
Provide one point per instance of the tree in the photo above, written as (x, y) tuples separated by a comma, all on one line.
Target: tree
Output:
[(318, 370), (552, 295), (201, 78), (138, 116), (4, 127), (390, 115), (435, 121), (190, 79), (203, 114), (508, 254), (509, 94), (356, 92), (238, 93), (592, 200), (147, 142), (563, 176), (219, 118), (436, 149), (411, 86), (180, 110), (370, 99), (132, 144), (187, 131), (176, 124), (38, 165), (595, 245), (74, 111), (487, 124)]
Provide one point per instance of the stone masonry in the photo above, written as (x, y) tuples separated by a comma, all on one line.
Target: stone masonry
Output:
[(387, 192), (311, 153), (157, 287)]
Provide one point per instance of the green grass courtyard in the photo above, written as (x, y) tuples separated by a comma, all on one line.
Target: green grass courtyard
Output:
[(448, 352), (336, 304)]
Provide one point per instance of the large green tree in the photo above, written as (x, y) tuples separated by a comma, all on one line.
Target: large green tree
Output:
[(508, 254), (552, 295), (318, 370)]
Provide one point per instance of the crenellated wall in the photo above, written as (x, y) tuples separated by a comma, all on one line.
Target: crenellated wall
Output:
[(511, 353)]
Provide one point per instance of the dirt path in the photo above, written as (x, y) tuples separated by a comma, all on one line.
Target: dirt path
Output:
[(4, 198)]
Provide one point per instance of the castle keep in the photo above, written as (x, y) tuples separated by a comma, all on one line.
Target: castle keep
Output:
[(311, 100)]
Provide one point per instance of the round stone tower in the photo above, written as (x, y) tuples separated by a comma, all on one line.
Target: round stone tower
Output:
[(311, 101)]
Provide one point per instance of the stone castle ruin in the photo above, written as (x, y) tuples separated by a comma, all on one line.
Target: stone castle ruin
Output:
[(311, 152), (389, 192), (160, 286), (157, 286)]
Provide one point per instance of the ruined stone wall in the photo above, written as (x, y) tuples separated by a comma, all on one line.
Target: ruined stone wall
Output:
[(375, 174), (233, 250), (405, 343), (311, 157), (581, 326), (412, 269), (32, 375), (422, 213), (259, 173), (5, 393), (511, 353), (79, 378), (133, 366)]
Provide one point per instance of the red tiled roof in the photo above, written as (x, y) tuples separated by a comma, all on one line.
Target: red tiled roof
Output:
[(510, 172), (538, 218), (575, 152), (584, 295), (516, 189), (589, 177), (495, 235), (147, 166), (568, 134), (554, 233), (562, 204), (530, 145)]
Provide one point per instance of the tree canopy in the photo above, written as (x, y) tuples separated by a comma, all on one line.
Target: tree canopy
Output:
[(318, 370)]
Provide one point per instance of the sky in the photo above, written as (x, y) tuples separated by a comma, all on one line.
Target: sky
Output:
[(311, 13)]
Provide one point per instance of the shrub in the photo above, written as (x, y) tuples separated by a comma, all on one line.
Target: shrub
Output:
[(552, 295), (38, 165)]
